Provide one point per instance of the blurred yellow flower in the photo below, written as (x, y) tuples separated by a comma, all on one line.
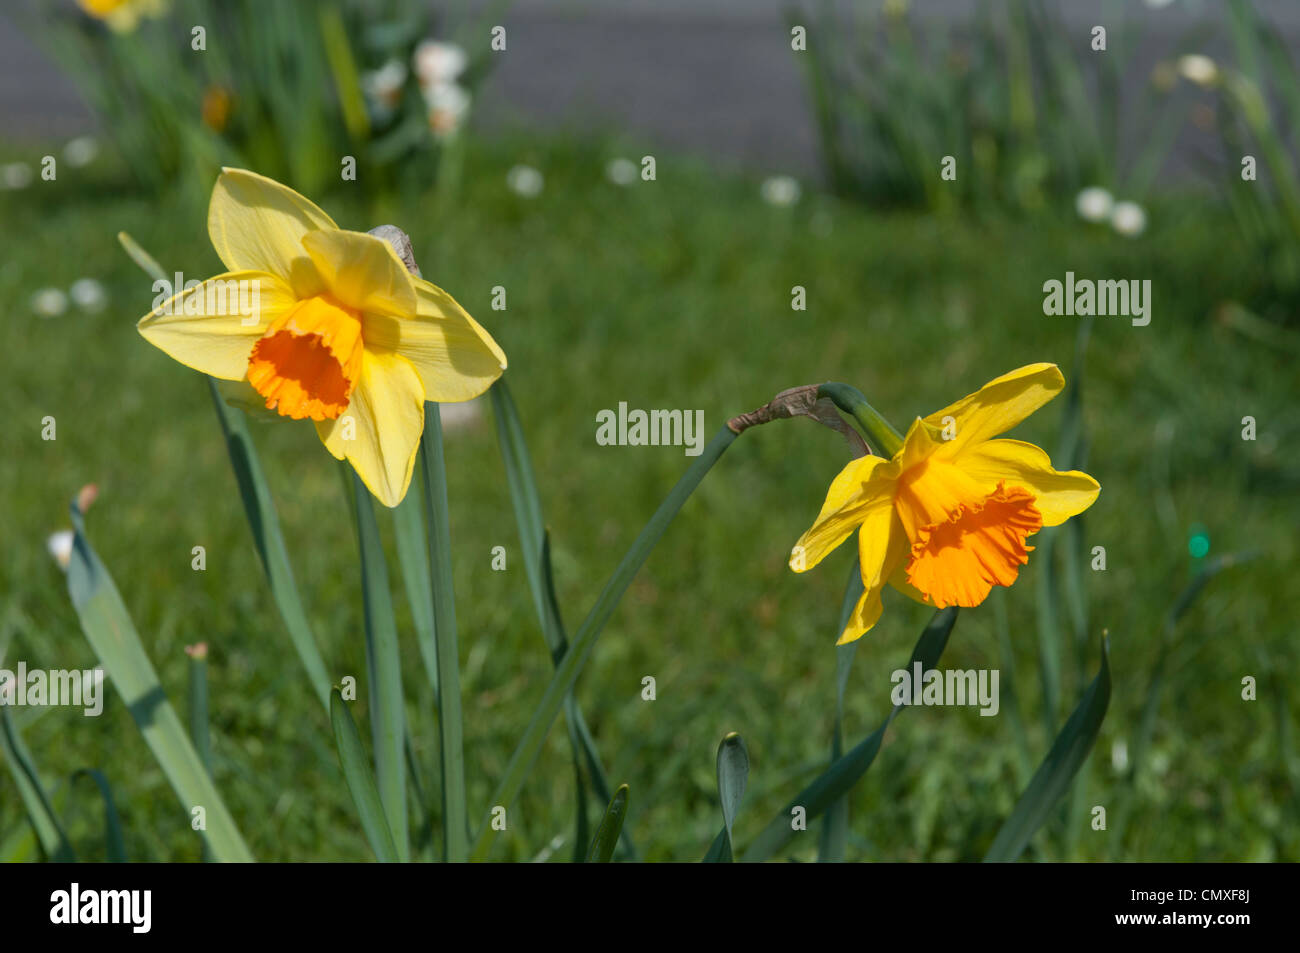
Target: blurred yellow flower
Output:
[(215, 110), (325, 324), (123, 15), (945, 520)]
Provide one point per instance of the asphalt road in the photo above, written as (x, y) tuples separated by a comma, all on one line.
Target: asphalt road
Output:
[(710, 77)]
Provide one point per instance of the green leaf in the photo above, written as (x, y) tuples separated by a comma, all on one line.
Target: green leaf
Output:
[(114, 843), (733, 772), (40, 812), (1056, 772), (111, 633), (360, 780), (148, 264), (413, 557), (384, 667), (265, 525), (1154, 693), (198, 711), (611, 827), (455, 817), (566, 673), (835, 828), (840, 778), (535, 542)]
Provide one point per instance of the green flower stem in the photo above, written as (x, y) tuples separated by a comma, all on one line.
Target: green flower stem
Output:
[(879, 432), (567, 671), (384, 668), (455, 818)]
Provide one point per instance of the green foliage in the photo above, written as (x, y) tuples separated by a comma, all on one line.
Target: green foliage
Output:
[(913, 314)]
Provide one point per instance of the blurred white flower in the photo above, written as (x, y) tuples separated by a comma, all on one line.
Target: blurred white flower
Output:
[(621, 171), (448, 106), (1198, 69), (60, 546), (383, 86), (780, 190), (461, 415), (49, 302), (15, 175), (88, 294), (525, 181), (81, 151), (1094, 204), (1128, 219), (437, 63), (1119, 755)]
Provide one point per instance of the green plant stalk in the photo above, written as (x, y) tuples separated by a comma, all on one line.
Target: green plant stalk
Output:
[(566, 673), (108, 627), (840, 777), (455, 817), (1156, 683), (114, 843), (265, 525), (360, 780), (40, 811), (1058, 769), (879, 432), (835, 828), (384, 665), (611, 827), (413, 557), (198, 711), (535, 542)]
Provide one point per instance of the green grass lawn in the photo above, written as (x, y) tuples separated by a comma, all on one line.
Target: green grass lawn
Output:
[(674, 294)]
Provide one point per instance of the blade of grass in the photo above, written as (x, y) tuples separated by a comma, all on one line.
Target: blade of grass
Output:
[(413, 557), (265, 525), (1058, 769), (835, 828), (384, 665), (611, 828), (1156, 684), (198, 712), (40, 811), (566, 673), (455, 818), (535, 543), (114, 843), (360, 780), (111, 633), (841, 776), (733, 772)]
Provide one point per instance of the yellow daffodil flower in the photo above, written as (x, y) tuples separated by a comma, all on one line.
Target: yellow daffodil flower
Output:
[(945, 520), (123, 15), (339, 331)]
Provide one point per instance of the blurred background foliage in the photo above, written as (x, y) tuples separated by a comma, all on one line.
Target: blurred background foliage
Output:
[(676, 293)]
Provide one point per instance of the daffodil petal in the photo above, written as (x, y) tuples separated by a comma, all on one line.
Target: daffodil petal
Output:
[(455, 358), (1000, 404), (882, 550), (898, 579), (882, 545), (1058, 495), (920, 442), (213, 326), (848, 502), (256, 223), (362, 271), (865, 615), (380, 431)]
